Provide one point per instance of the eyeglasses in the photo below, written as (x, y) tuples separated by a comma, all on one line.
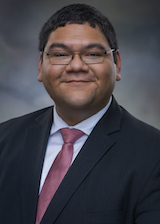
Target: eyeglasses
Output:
[(64, 57)]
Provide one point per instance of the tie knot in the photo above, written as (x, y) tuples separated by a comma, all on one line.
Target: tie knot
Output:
[(70, 135)]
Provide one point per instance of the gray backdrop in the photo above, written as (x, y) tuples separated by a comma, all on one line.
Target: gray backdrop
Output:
[(137, 24)]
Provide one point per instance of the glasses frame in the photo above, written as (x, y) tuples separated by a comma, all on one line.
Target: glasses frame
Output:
[(79, 53)]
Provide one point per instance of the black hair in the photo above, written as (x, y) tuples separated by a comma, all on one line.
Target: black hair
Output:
[(78, 14)]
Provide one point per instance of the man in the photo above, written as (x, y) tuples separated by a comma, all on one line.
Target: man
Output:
[(114, 174)]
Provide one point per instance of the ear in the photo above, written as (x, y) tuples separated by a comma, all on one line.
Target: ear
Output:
[(118, 66), (40, 61)]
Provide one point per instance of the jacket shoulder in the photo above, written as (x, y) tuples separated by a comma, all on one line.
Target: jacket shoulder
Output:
[(138, 129), (23, 121)]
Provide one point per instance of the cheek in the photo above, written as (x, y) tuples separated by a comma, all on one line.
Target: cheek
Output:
[(107, 80), (50, 74), (106, 74), (48, 80)]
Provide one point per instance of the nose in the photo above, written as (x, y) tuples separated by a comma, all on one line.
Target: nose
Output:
[(77, 65)]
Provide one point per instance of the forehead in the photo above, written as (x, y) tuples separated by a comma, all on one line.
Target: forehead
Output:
[(77, 36)]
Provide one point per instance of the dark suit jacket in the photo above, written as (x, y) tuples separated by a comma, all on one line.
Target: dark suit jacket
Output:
[(115, 179)]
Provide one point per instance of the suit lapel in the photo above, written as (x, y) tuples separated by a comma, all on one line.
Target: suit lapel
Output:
[(32, 161), (96, 146)]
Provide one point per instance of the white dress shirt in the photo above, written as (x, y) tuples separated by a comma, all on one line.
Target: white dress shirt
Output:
[(55, 140)]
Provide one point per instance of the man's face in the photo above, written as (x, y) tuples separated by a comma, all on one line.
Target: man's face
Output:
[(79, 86)]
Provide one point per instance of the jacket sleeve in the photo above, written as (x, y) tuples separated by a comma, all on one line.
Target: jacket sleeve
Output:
[(148, 207)]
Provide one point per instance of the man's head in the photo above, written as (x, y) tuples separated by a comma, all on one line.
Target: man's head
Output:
[(76, 63), (78, 14)]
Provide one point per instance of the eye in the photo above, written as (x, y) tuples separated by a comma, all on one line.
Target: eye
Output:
[(94, 54), (59, 54)]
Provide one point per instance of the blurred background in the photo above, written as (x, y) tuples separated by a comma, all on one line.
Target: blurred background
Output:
[(137, 24)]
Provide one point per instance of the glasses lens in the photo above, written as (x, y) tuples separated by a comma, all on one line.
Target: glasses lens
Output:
[(93, 56), (60, 57)]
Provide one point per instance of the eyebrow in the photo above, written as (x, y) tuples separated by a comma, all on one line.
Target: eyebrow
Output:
[(89, 46), (60, 45), (96, 45)]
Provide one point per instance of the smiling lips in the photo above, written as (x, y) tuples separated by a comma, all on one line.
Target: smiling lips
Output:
[(78, 82)]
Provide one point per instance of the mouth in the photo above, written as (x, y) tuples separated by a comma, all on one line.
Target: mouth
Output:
[(77, 82)]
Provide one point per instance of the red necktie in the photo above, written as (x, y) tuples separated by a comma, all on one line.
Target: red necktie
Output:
[(58, 170)]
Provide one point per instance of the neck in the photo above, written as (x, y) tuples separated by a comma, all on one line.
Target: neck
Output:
[(74, 116)]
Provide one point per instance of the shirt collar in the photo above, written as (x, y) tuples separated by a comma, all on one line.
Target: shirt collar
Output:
[(86, 126)]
